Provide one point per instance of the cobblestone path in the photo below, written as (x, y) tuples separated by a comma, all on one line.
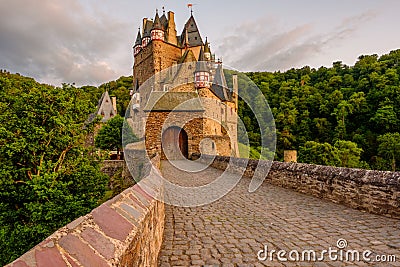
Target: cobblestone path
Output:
[(232, 230)]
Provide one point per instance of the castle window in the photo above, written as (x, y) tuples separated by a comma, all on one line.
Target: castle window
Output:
[(195, 38), (190, 67)]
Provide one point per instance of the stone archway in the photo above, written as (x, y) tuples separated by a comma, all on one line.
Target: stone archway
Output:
[(174, 143)]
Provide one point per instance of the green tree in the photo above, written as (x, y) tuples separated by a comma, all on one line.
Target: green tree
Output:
[(389, 147), (349, 153), (385, 118), (47, 178), (319, 153), (110, 135)]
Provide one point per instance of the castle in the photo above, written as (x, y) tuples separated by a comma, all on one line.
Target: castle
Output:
[(181, 103)]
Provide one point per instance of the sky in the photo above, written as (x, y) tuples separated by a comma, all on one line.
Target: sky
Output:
[(89, 42)]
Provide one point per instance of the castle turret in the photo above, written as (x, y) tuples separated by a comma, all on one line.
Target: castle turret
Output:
[(138, 44), (157, 32), (164, 20), (147, 26), (202, 73)]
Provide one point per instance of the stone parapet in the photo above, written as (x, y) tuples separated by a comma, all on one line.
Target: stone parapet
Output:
[(376, 192), (124, 231)]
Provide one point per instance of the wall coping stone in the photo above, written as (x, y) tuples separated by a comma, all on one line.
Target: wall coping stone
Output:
[(115, 233), (373, 191)]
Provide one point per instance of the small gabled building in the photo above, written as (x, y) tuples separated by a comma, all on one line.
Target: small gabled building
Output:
[(107, 107)]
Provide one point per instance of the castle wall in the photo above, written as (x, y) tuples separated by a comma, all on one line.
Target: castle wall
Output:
[(153, 58), (156, 121), (165, 55)]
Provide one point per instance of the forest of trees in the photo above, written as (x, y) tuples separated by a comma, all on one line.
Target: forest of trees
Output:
[(341, 116), (48, 175)]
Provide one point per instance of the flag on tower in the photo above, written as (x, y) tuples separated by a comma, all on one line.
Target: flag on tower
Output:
[(190, 5)]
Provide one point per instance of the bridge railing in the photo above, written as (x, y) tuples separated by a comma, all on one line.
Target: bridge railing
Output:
[(124, 231), (376, 192)]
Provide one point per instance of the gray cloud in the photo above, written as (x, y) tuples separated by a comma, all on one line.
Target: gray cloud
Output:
[(284, 50), (58, 41)]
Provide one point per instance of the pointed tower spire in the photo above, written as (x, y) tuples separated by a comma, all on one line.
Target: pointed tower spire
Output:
[(147, 26), (219, 77), (138, 38), (164, 20), (138, 44), (157, 32), (193, 33), (157, 24), (207, 51)]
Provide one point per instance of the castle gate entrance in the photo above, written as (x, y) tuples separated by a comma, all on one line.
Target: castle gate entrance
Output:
[(175, 143)]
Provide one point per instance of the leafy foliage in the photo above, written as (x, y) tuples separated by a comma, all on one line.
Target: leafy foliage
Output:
[(110, 135), (47, 178), (389, 147), (328, 105)]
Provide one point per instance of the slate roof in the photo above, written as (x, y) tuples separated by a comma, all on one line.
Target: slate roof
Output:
[(157, 23), (138, 39), (147, 29), (192, 32), (201, 64), (219, 86), (164, 21)]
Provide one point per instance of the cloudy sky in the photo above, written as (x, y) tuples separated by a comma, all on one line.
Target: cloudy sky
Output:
[(90, 41)]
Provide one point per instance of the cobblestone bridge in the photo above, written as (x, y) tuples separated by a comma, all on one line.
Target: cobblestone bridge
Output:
[(232, 230)]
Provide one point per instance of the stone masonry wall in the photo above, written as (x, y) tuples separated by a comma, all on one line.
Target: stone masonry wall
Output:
[(372, 191), (157, 120), (111, 167), (125, 231)]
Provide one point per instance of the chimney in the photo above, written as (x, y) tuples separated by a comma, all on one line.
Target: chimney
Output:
[(144, 25), (171, 30), (235, 90), (114, 103)]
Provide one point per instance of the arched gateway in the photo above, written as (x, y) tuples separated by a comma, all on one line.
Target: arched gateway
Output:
[(175, 143)]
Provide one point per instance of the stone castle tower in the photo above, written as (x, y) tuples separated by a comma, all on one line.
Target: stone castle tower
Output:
[(181, 102)]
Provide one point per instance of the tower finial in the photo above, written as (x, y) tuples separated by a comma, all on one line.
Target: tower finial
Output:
[(163, 10), (191, 8)]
